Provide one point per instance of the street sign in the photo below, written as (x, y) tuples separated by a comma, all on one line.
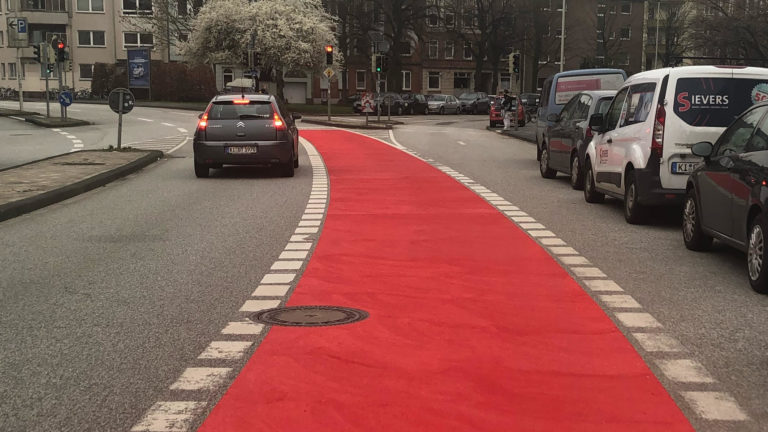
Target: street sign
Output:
[(65, 98), (18, 34), (121, 97), (366, 101), (328, 72)]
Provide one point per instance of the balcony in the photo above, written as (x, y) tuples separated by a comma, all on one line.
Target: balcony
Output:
[(44, 5)]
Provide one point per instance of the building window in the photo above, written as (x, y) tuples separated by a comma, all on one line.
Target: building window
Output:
[(183, 37), (12, 70), (90, 38), (135, 40), (461, 80), (624, 59), (86, 72), (432, 17), (433, 47), (360, 80), (469, 19), (44, 5), (137, 7), (228, 76), (449, 47), (626, 7), (2, 41), (406, 80), (90, 5), (506, 81), (2, 70), (600, 35), (406, 48), (433, 82), (450, 20), (625, 33), (467, 50)]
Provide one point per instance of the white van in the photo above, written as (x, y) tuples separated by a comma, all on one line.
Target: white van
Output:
[(641, 152)]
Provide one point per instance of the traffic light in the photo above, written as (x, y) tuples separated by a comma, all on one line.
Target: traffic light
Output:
[(68, 65), (378, 63), (36, 49), (516, 63), (49, 68), (384, 64), (329, 54), (61, 53)]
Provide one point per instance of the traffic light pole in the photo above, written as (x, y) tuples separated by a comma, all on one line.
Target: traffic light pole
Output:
[(61, 85), (44, 69)]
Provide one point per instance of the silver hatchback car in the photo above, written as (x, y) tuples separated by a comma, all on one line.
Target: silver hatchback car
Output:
[(443, 104), (253, 129)]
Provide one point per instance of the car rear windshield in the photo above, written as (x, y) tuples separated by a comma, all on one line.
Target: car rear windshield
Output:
[(438, 98), (568, 86), (716, 102), (228, 110)]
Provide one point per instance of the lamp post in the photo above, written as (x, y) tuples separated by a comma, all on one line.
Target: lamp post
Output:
[(656, 50), (562, 39)]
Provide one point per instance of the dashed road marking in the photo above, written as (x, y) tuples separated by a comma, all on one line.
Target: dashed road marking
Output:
[(225, 350), (637, 319), (715, 405), (461, 143), (168, 124), (169, 417), (684, 370), (658, 342), (143, 119), (243, 328), (201, 378)]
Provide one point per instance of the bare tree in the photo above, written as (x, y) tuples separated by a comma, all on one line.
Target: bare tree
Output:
[(399, 21), (170, 21), (675, 21), (733, 29), (536, 24)]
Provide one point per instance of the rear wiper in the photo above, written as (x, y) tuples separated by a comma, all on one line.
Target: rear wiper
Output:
[(253, 116)]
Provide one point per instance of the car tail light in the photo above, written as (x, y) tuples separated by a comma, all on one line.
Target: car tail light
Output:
[(657, 141), (588, 134), (203, 122), (241, 101), (278, 122)]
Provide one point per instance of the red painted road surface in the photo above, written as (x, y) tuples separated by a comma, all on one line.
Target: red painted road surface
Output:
[(472, 327)]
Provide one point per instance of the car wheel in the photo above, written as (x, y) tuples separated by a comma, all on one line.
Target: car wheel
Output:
[(577, 178), (756, 268), (544, 168), (693, 235), (296, 162), (458, 110), (591, 195), (201, 170), (634, 212), (442, 110)]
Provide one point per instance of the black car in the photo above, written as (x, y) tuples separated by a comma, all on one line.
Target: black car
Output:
[(474, 103), (252, 129), (568, 136), (415, 103), (727, 195)]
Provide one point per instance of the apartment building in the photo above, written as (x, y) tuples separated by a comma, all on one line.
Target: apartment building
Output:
[(95, 31)]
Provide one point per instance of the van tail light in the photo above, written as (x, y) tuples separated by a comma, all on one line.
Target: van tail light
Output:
[(657, 141), (278, 122), (588, 135), (203, 123)]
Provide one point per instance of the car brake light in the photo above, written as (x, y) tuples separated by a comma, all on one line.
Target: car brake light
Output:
[(657, 141), (588, 134), (203, 122), (241, 101), (279, 125)]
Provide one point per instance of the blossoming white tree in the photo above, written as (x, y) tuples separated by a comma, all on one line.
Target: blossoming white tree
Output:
[(287, 34)]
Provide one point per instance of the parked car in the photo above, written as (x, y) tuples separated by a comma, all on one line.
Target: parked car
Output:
[(251, 129), (561, 87), (494, 113), (726, 196), (569, 135), (474, 103), (443, 104), (643, 153), (416, 103)]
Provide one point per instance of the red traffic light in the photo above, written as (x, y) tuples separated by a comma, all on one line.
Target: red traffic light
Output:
[(60, 45), (329, 48)]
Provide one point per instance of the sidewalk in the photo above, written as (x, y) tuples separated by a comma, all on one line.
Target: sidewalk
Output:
[(41, 120), (32, 186), (352, 121)]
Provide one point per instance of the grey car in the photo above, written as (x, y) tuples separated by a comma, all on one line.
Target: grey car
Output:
[(253, 129), (568, 135), (443, 104), (474, 103)]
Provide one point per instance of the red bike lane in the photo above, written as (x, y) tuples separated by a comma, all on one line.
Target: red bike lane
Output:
[(472, 327)]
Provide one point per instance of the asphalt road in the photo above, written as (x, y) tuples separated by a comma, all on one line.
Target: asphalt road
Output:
[(702, 299), (24, 142), (107, 297)]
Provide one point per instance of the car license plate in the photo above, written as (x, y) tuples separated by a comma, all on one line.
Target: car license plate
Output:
[(683, 167), (242, 150)]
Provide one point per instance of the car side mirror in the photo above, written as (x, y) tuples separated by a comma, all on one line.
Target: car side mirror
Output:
[(553, 117), (200, 115), (296, 116), (596, 123), (703, 149)]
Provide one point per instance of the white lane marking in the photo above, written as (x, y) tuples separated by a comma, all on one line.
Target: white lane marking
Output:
[(637, 319), (169, 417), (309, 215), (531, 226), (17, 118), (294, 255), (684, 370), (715, 405), (225, 350), (574, 260), (298, 246), (259, 305), (310, 223), (243, 328), (182, 130), (587, 271), (79, 146), (461, 143), (523, 219), (317, 201), (64, 132), (515, 213), (658, 342), (563, 250), (56, 130), (602, 285), (71, 137), (77, 141), (619, 301), (179, 146), (143, 119), (552, 241), (278, 278), (541, 233), (311, 210), (306, 230), (201, 378), (168, 124), (299, 238), (287, 265), (271, 290)]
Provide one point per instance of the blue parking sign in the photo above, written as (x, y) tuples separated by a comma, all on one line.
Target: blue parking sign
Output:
[(21, 25)]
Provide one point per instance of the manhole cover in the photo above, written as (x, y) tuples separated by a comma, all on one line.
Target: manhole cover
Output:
[(310, 316)]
